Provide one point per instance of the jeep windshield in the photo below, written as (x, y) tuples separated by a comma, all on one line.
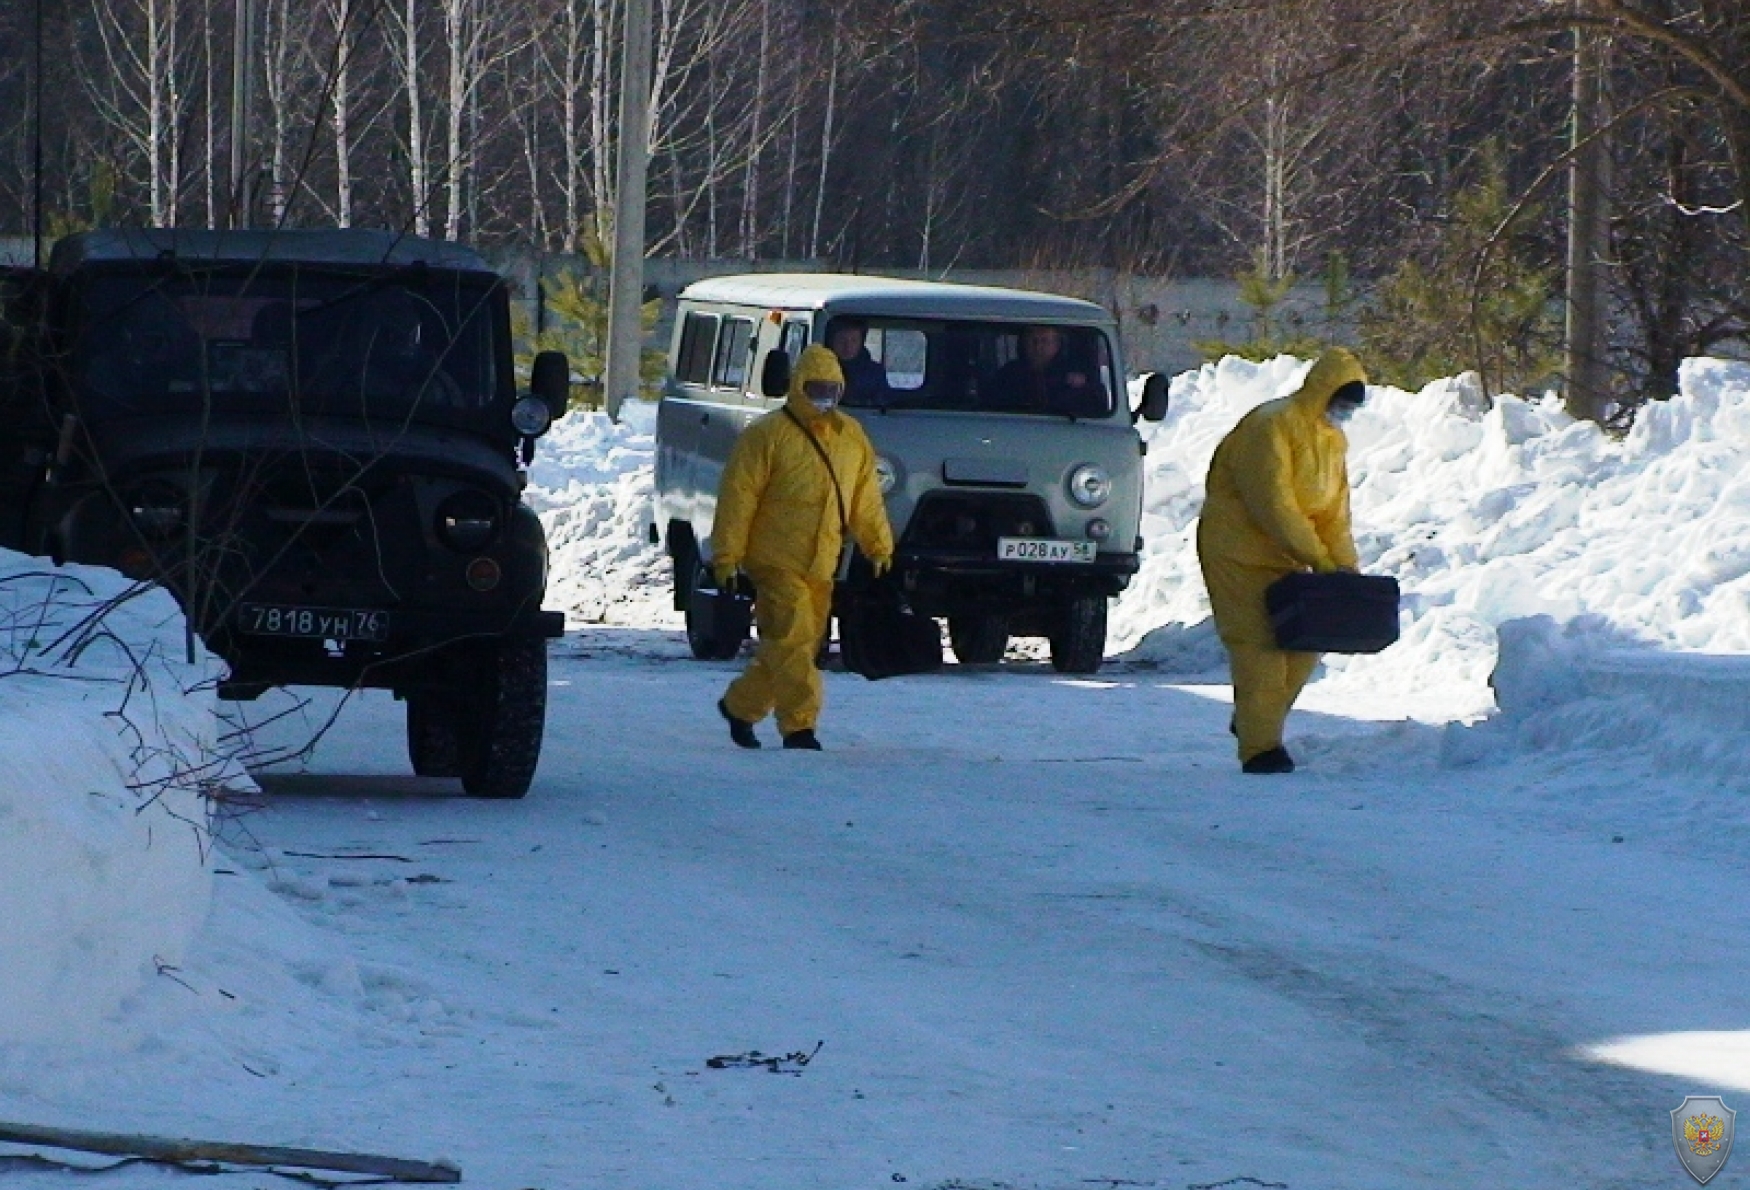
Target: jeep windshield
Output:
[(984, 366), (298, 341)]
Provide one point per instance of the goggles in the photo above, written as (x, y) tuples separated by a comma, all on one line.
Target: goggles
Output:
[(822, 390)]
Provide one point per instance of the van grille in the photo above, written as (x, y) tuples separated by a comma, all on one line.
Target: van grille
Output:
[(972, 521)]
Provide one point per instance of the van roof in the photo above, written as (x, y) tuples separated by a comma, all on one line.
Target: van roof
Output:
[(845, 293), (341, 246)]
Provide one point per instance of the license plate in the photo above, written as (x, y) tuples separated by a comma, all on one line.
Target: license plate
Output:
[(1043, 549), (320, 623)]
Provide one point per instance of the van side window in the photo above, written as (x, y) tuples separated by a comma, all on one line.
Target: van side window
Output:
[(730, 368), (698, 339), (904, 351), (795, 339)]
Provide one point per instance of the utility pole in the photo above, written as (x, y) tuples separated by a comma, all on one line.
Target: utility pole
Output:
[(1588, 234), (242, 103), (626, 284)]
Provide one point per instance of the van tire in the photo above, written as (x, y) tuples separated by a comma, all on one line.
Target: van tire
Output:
[(704, 645), (1078, 643), (980, 639), (503, 717), (432, 743)]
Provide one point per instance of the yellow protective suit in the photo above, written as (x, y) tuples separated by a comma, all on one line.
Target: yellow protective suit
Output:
[(1277, 502), (778, 519)]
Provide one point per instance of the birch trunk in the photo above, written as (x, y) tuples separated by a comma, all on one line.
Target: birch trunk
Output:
[(826, 132), (416, 164)]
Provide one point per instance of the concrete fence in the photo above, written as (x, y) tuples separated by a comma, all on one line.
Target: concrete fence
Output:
[(1160, 318)]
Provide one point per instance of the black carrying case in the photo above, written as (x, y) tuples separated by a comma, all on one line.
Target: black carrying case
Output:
[(881, 637), (724, 616), (1333, 613)]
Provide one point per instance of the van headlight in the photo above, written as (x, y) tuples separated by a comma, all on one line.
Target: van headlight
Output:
[(1089, 485), (886, 474)]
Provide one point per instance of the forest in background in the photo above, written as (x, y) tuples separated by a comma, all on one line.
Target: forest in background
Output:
[(1415, 157)]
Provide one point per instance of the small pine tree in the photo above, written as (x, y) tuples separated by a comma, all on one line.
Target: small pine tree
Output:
[(1262, 293), (577, 317), (1423, 323)]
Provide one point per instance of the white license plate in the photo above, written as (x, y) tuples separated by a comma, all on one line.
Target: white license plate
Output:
[(320, 623), (1043, 549)]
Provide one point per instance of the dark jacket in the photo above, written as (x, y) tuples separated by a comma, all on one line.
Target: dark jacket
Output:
[(865, 380), (1059, 388)]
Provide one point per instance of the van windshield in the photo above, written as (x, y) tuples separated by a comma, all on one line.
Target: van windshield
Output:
[(323, 344), (985, 366)]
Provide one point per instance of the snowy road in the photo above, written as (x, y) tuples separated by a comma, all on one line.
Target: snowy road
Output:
[(1043, 932)]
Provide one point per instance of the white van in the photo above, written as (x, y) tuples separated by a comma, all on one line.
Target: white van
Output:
[(1005, 440)]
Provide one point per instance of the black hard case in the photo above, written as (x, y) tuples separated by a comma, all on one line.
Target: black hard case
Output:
[(1333, 613), (881, 637)]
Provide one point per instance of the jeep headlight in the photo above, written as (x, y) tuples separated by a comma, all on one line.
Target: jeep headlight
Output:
[(1089, 485), (886, 474), (531, 416), (468, 521), (159, 509)]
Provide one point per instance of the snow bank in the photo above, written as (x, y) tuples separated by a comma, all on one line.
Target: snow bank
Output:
[(1487, 513), (1587, 686), (592, 482), (107, 740)]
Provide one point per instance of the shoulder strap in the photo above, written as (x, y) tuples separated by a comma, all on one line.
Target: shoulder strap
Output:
[(844, 521)]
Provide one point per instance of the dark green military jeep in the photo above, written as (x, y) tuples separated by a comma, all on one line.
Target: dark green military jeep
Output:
[(315, 440)]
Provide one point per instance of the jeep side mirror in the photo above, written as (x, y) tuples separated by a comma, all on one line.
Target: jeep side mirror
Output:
[(1154, 397), (550, 380), (775, 374)]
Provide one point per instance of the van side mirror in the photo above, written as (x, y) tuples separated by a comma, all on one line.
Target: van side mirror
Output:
[(775, 374), (1154, 397), (550, 380)]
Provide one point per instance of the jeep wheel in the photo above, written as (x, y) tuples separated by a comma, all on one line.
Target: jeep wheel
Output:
[(1078, 643), (702, 635), (979, 640), (431, 736), (503, 715)]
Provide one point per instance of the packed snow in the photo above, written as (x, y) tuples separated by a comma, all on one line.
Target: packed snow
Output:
[(1522, 828)]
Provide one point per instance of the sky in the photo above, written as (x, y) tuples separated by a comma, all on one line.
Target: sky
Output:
[(1027, 930)]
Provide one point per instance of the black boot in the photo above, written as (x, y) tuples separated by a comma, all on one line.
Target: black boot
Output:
[(740, 730), (1276, 760), (802, 739)]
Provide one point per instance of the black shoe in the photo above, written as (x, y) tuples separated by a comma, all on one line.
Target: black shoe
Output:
[(740, 730), (1276, 760), (802, 739)]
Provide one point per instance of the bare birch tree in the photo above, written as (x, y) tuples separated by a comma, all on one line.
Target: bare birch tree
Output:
[(139, 90)]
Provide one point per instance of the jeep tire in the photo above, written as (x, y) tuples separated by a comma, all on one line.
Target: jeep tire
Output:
[(1078, 638), (432, 743), (979, 639), (503, 714)]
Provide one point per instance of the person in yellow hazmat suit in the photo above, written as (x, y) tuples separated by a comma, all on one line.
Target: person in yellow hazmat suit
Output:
[(797, 480), (1277, 502)]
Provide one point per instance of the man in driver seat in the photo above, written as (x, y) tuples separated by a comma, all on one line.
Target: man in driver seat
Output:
[(1042, 379)]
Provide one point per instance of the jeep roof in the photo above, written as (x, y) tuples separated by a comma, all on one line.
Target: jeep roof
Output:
[(894, 298), (352, 247)]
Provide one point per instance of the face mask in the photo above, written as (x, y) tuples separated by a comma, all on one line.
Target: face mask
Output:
[(823, 394), (1340, 413)]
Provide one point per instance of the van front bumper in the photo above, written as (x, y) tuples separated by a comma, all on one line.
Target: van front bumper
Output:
[(951, 582)]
